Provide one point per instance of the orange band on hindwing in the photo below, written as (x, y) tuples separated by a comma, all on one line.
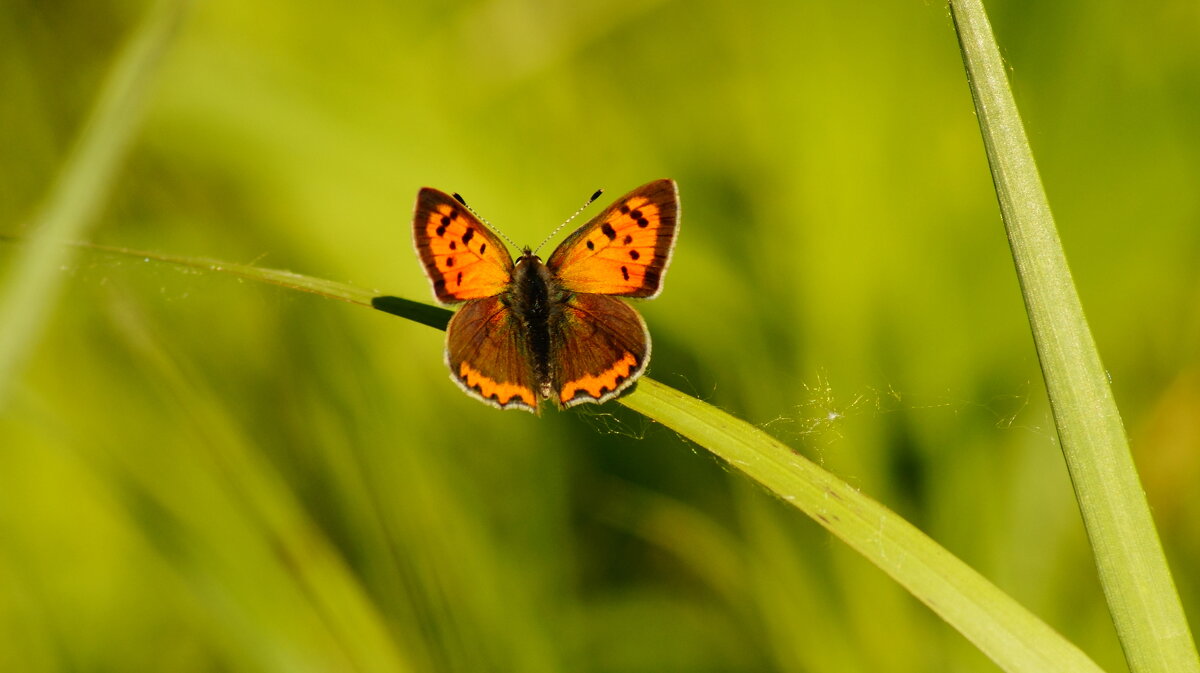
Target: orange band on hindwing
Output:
[(503, 394), (602, 384)]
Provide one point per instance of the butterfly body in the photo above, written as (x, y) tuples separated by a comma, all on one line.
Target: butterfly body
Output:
[(529, 330), (535, 300)]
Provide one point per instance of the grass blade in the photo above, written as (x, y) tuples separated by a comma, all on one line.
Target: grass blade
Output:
[(1004, 630), (1133, 570), (32, 284)]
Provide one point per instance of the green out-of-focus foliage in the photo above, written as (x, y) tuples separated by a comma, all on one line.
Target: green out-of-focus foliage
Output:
[(199, 473)]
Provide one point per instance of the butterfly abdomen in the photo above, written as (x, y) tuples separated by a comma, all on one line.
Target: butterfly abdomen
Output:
[(532, 304)]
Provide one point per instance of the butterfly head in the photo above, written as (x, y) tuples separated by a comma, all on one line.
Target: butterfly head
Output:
[(527, 256)]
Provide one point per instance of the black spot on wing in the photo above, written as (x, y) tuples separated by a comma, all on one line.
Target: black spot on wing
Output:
[(608, 231)]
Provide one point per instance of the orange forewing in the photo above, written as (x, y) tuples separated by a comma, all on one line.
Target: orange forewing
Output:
[(625, 249), (463, 259)]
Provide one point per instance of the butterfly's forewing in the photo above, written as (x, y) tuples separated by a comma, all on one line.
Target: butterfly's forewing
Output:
[(601, 348), (462, 257), (486, 355), (625, 249)]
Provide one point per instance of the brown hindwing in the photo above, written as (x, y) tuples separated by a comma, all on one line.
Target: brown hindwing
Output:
[(601, 347), (487, 357)]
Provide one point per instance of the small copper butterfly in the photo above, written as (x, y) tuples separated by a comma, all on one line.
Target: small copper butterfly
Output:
[(529, 331)]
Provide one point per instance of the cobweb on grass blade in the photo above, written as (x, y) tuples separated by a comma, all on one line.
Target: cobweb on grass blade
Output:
[(613, 419), (825, 413), (201, 281)]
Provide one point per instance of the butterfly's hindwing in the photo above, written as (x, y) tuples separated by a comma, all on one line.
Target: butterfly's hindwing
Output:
[(462, 257), (625, 249), (488, 357), (601, 346)]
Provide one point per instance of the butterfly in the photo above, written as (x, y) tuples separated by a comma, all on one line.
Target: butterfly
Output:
[(528, 330)]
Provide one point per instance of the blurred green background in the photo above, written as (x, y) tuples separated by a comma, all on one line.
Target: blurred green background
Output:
[(203, 474)]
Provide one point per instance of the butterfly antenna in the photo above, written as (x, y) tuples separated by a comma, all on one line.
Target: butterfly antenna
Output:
[(458, 197), (557, 229)]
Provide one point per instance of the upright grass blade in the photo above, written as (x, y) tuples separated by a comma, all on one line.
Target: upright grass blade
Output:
[(1133, 571), (1004, 630), (32, 284)]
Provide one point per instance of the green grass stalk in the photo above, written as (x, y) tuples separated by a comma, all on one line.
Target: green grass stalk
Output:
[(1136, 580)]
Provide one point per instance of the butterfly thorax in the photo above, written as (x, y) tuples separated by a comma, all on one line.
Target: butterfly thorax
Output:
[(534, 297)]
